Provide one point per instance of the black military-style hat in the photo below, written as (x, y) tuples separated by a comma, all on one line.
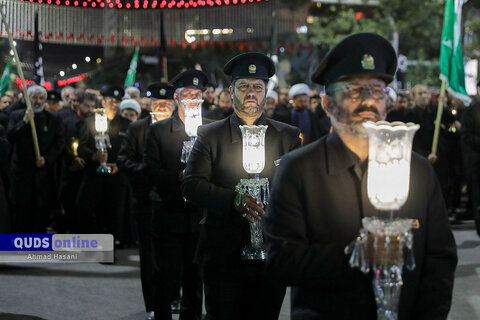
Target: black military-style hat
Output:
[(53, 96), (160, 90), (190, 78), (113, 91), (358, 54), (250, 65)]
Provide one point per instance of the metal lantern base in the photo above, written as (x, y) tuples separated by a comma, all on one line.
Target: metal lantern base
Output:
[(387, 274), (104, 169), (251, 252)]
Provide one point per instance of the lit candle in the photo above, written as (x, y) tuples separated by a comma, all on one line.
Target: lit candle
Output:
[(193, 116), (390, 151), (75, 147), (253, 138), (101, 120)]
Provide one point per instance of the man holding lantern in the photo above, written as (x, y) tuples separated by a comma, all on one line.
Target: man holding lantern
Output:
[(235, 288), (175, 222), (320, 197)]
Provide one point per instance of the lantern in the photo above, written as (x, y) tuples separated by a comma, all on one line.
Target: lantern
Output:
[(102, 140), (193, 119), (389, 158), (253, 158)]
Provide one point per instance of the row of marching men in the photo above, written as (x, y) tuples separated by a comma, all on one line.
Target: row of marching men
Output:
[(101, 177)]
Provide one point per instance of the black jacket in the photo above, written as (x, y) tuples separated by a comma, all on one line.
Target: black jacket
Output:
[(163, 167), (470, 135), (117, 128), (130, 157), (214, 169), (23, 163), (319, 122), (317, 202), (218, 113)]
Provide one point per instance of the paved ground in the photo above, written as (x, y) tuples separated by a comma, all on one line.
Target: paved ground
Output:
[(102, 291)]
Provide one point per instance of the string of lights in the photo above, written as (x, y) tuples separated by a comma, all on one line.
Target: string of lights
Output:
[(143, 4)]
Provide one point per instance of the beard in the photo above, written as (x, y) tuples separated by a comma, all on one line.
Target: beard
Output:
[(249, 110), (38, 107), (342, 122)]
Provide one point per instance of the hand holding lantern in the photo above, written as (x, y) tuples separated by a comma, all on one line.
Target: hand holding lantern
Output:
[(193, 119), (381, 241), (102, 140)]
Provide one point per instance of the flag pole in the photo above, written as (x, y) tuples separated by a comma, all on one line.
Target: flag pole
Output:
[(163, 50), (20, 72), (438, 120)]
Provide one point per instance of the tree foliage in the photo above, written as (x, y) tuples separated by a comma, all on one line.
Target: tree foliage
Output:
[(417, 23)]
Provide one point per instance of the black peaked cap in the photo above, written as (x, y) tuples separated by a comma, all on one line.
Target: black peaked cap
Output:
[(113, 91), (160, 90), (358, 54), (250, 65), (190, 78)]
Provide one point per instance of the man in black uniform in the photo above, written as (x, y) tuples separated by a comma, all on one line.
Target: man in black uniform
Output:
[(236, 289), (175, 222), (74, 165), (130, 159), (320, 196), (34, 185), (102, 197), (470, 135)]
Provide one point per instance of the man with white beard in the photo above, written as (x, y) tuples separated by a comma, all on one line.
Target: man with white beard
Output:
[(34, 185)]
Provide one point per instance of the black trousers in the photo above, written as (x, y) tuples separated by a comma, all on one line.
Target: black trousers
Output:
[(68, 196), (174, 263), (101, 203), (240, 297), (143, 215)]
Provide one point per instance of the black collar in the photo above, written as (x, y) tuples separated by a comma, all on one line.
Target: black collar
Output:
[(339, 157)]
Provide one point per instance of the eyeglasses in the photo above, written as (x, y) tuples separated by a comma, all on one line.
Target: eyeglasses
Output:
[(362, 92)]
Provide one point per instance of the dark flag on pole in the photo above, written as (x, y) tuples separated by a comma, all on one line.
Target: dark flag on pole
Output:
[(163, 51), (38, 61)]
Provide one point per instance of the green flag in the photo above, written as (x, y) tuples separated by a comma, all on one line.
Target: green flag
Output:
[(5, 80), (451, 57), (132, 70)]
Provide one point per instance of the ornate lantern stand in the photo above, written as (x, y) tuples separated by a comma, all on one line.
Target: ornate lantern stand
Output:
[(390, 151), (193, 119), (253, 138), (102, 140)]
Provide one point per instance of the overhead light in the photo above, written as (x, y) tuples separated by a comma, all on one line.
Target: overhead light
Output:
[(11, 52), (62, 73), (216, 31), (74, 66), (190, 39), (302, 29), (14, 43), (87, 59), (99, 60)]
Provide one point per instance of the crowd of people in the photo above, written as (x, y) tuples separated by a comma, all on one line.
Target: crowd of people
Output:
[(189, 221)]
